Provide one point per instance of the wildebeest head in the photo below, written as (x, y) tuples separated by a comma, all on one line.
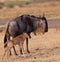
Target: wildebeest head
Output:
[(41, 25)]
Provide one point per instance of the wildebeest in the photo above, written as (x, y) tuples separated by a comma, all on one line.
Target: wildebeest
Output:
[(18, 40), (25, 23)]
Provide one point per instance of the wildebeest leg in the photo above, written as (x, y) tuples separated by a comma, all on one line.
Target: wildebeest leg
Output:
[(6, 49), (27, 45), (29, 35), (20, 48), (15, 50)]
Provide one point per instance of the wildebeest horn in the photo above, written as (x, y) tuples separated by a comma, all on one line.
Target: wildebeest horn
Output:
[(43, 15)]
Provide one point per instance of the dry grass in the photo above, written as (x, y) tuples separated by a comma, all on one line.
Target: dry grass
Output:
[(43, 48), (51, 10), (2, 28)]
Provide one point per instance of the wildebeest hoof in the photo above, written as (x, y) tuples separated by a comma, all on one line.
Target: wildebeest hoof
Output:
[(21, 53), (28, 51), (16, 54), (10, 54)]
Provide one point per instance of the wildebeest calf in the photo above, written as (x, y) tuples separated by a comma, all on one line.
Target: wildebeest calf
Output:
[(19, 40)]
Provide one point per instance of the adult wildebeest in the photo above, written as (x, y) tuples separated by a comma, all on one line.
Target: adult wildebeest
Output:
[(25, 23)]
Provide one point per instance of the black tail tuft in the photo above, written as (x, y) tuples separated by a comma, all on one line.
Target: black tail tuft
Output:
[(5, 45), (5, 39)]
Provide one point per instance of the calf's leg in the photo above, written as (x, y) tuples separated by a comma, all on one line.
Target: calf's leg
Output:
[(15, 50), (20, 49)]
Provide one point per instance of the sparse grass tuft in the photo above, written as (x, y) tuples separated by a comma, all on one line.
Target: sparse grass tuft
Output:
[(9, 4), (2, 28)]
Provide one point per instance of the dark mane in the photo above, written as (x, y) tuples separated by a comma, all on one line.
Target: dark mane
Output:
[(46, 27)]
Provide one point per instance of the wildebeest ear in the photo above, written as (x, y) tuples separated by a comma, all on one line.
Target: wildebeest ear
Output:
[(41, 16)]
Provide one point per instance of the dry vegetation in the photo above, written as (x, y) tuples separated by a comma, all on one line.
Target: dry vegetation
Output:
[(43, 48), (51, 10)]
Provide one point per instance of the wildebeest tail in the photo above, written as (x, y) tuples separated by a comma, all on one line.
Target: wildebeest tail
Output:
[(5, 41), (5, 45), (5, 37)]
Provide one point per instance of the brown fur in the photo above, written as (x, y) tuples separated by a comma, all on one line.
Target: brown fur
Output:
[(19, 40)]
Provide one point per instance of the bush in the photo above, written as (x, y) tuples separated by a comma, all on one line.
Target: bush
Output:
[(9, 4), (23, 3), (1, 5), (2, 28), (20, 3), (27, 3)]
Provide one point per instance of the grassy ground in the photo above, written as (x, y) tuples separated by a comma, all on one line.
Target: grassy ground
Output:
[(43, 48), (51, 10)]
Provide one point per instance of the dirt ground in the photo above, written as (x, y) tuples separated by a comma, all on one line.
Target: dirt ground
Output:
[(43, 48)]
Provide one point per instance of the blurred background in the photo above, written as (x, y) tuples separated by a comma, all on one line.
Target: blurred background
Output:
[(12, 8)]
